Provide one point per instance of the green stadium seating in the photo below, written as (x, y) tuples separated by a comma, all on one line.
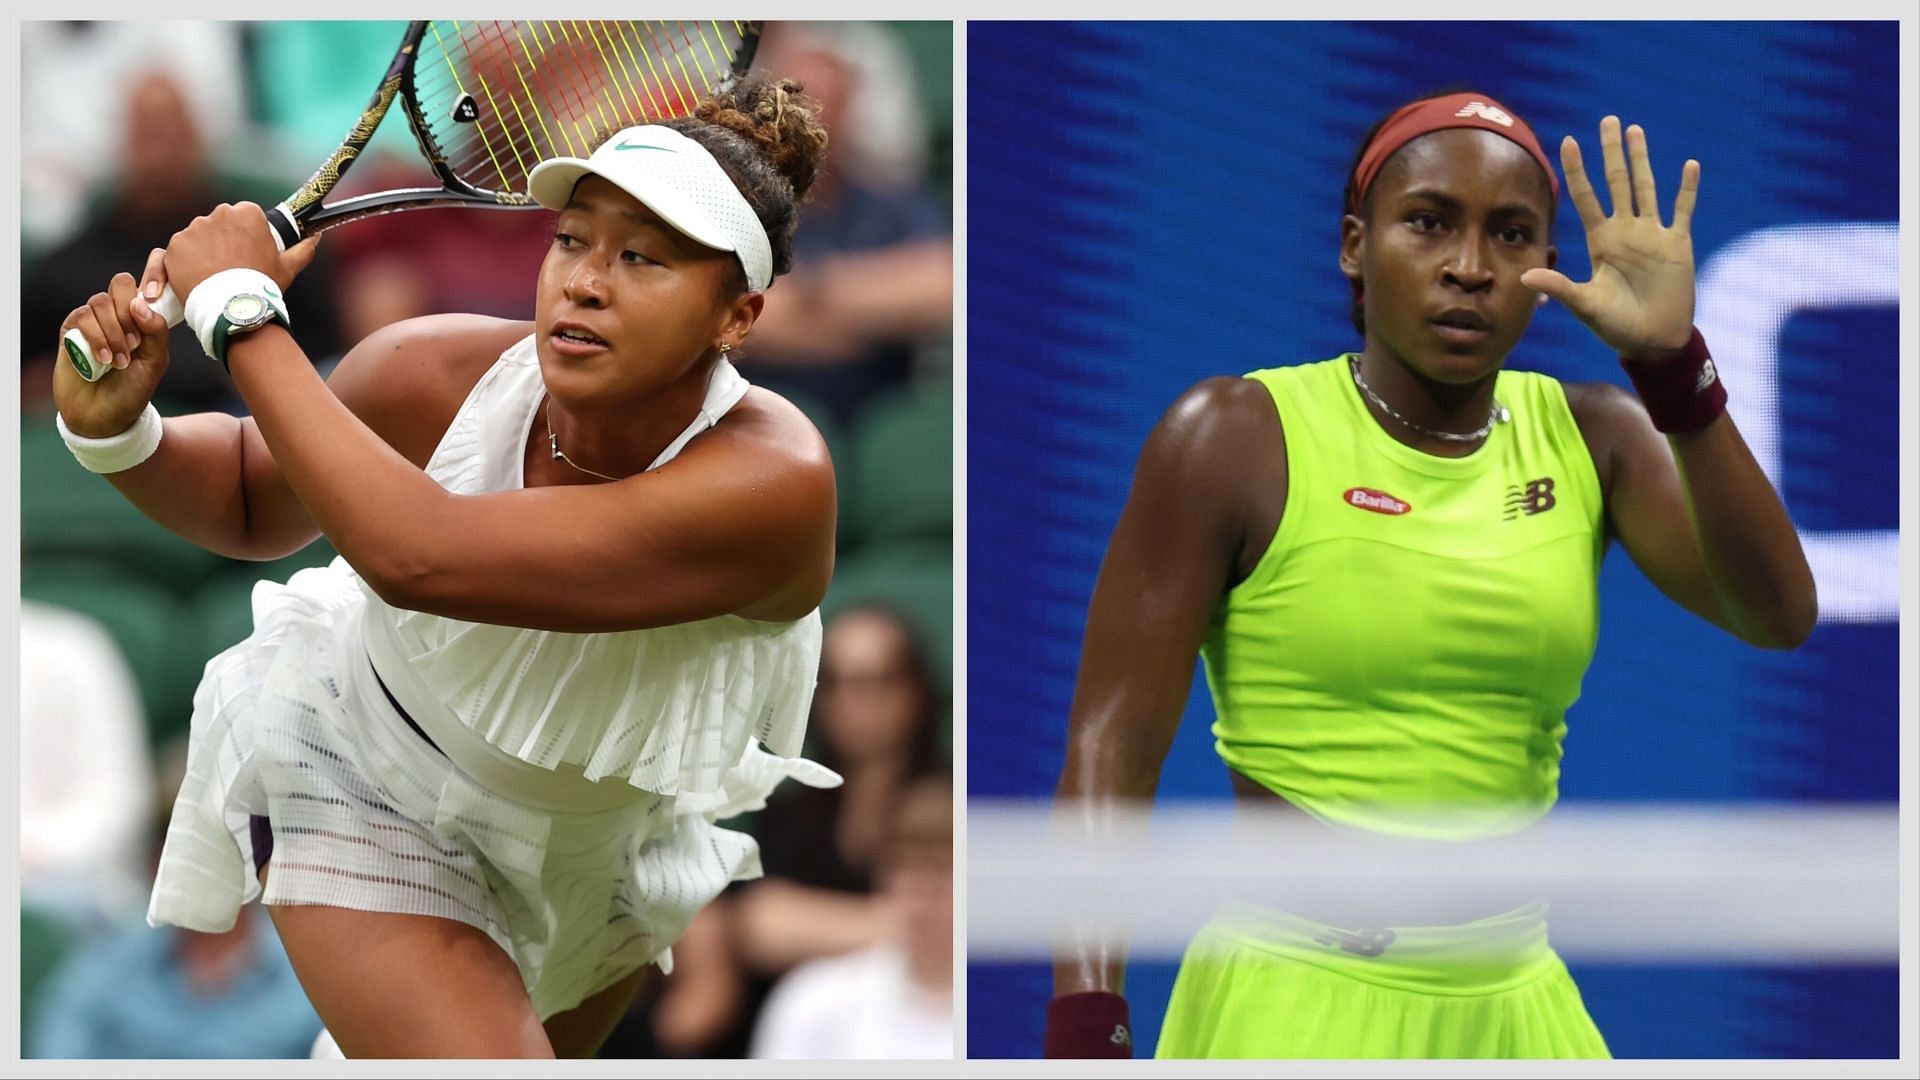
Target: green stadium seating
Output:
[(223, 612), (915, 579), (155, 631), (222, 608), (44, 942), (68, 513), (930, 45), (902, 470)]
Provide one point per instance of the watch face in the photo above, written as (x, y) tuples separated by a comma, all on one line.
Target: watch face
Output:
[(245, 309)]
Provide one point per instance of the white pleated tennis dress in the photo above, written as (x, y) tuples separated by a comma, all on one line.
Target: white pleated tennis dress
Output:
[(567, 801)]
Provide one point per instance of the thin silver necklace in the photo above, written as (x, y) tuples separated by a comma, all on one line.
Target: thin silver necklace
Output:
[(1498, 415), (553, 444)]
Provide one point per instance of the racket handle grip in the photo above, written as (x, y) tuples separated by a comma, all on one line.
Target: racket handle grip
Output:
[(80, 354), (286, 228)]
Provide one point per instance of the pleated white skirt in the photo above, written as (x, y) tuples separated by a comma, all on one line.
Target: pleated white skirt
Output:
[(366, 814)]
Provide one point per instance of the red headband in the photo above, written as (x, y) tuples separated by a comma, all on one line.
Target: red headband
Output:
[(1438, 114)]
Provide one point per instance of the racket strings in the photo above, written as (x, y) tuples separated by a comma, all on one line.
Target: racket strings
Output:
[(499, 97)]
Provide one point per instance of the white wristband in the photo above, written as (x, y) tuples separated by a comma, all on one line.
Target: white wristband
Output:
[(116, 453), (208, 300)]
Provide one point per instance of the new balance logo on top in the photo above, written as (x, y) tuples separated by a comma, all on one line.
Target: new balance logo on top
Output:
[(1707, 375), (1491, 113), (1121, 1036), (1535, 498), (1375, 500)]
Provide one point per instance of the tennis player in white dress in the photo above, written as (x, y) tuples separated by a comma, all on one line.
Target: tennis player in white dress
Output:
[(474, 765)]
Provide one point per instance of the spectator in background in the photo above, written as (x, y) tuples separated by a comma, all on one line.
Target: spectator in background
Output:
[(75, 78), (893, 999), (140, 992), (878, 726), (86, 778), (876, 274), (163, 177), (436, 261)]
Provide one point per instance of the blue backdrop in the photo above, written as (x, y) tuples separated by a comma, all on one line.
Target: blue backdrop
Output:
[(1151, 204)]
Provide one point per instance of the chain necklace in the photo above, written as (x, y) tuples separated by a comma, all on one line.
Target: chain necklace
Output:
[(553, 444), (1497, 415)]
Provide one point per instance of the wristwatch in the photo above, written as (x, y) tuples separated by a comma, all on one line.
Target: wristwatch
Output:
[(244, 312)]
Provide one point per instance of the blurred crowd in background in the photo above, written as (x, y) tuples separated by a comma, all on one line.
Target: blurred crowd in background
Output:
[(844, 948)]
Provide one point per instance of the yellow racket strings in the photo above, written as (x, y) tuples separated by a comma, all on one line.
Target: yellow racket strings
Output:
[(500, 97)]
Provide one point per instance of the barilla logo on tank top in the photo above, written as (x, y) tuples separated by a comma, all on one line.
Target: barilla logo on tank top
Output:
[(1375, 500)]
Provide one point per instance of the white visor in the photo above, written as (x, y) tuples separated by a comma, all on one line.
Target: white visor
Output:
[(677, 179)]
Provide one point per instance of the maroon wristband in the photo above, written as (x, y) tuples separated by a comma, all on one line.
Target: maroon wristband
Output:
[(1683, 392), (1093, 1024)]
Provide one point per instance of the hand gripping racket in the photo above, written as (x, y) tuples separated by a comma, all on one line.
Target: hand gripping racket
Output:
[(487, 101)]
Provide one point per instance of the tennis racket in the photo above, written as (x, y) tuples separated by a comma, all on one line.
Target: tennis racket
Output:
[(487, 101)]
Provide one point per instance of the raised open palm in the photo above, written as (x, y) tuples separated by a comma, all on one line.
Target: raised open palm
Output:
[(1640, 298)]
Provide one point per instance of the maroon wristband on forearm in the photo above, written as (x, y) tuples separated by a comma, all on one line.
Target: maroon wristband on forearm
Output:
[(1093, 1024), (1682, 393)]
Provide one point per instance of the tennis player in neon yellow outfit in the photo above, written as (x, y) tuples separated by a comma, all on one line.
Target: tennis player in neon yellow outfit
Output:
[(1388, 562)]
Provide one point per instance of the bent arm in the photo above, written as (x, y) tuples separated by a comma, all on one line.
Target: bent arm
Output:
[(783, 923), (1172, 558), (210, 479), (740, 523), (1701, 519), (215, 482)]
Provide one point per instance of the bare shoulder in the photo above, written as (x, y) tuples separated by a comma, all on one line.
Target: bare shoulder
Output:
[(763, 478), (1214, 422), (406, 381), (777, 437)]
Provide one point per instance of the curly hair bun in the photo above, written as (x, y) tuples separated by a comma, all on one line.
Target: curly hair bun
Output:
[(779, 118)]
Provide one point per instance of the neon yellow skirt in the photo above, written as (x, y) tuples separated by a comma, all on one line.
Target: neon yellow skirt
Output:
[(1260, 983)]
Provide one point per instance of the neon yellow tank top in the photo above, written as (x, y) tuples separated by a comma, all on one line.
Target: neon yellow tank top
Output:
[(1403, 655)]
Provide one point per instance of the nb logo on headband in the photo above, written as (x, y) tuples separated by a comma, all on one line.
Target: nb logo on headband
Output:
[(1490, 113)]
